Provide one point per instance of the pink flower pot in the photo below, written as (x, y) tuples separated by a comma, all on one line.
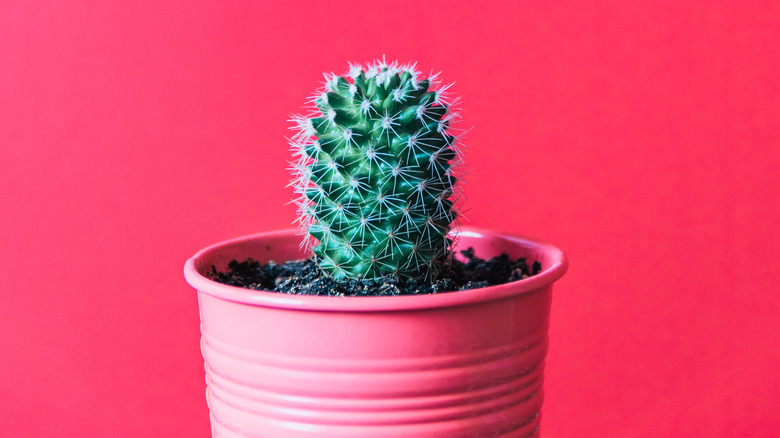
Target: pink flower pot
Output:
[(458, 364)]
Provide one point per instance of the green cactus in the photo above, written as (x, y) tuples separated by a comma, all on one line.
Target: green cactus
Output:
[(374, 173)]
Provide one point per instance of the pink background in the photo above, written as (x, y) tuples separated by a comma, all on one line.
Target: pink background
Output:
[(640, 137)]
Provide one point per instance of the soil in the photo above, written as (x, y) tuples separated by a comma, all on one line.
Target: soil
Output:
[(303, 277)]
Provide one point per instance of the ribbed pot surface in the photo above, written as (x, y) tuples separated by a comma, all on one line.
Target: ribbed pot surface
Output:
[(463, 364)]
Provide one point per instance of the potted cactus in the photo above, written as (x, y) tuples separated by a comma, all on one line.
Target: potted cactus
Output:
[(375, 178)]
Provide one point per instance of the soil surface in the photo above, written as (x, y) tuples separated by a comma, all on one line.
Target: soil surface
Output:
[(303, 277)]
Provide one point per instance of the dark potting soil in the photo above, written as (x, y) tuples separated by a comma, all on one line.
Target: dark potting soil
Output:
[(303, 277)]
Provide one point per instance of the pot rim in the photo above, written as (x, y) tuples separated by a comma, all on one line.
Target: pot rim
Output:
[(383, 303)]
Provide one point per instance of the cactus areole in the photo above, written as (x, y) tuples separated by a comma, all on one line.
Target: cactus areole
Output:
[(374, 173)]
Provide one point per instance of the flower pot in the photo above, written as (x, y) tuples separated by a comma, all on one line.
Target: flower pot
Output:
[(456, 364)]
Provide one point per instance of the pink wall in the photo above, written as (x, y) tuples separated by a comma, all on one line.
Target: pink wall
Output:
[(640, 137)]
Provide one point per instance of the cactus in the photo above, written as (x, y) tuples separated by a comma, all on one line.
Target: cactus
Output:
[(374, 173)]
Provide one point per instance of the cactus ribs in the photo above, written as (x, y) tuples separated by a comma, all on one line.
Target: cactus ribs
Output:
[(374, 172)]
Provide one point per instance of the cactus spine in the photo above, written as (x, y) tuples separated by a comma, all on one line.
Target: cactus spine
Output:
[(374, 173)]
